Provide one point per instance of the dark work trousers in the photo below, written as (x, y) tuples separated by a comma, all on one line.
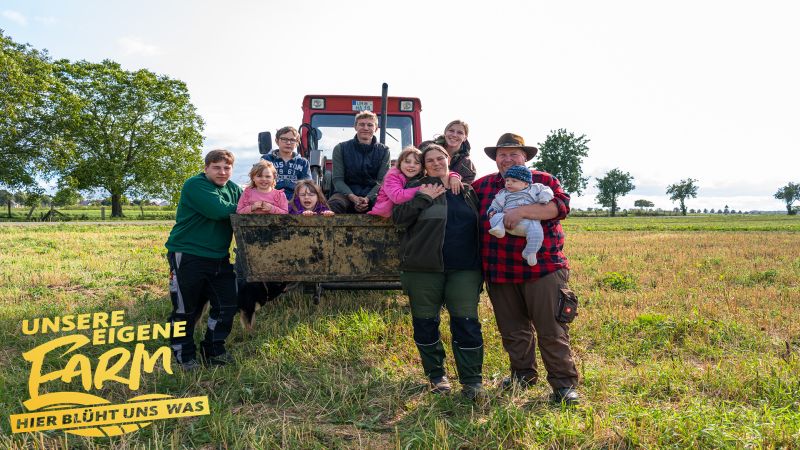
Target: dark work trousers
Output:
[(340, 204), (256, 292), (195, 280), (458, 291), (525, 314)]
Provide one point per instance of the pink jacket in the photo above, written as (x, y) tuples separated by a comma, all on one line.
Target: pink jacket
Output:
[(275, 197), (393, 192)]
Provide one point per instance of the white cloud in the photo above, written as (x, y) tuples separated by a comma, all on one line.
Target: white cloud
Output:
[(136, 46), (45, 20), (15, 16)]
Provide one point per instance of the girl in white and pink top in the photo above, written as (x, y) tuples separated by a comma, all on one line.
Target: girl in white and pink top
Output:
[(261, 197), (393, 191)]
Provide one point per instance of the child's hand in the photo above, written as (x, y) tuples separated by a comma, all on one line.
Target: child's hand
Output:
[(327, 213), (491, 213), (308, 213), (455, 186)]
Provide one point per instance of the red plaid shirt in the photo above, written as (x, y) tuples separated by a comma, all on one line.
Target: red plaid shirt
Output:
[(502, 258)]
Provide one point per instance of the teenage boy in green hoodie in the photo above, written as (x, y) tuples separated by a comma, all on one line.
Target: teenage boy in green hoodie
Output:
[(200, 268)]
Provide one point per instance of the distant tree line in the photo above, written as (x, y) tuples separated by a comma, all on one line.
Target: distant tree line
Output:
[(93, 126), (562, 155), (638, 212)]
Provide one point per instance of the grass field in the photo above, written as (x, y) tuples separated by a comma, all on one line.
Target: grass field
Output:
[(93, 213), (688, 337)]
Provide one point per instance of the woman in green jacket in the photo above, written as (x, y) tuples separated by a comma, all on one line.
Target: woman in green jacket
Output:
[(440, 266)]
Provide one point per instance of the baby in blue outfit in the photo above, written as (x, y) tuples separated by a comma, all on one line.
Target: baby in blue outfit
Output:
[(519, 191)]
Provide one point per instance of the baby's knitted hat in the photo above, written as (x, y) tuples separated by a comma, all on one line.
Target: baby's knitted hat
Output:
[(521, 173)]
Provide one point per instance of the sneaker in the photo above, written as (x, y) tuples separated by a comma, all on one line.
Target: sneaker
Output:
[(508, 383), (189, 366), (567, 396), (474, 391), (440, 385), (224, 359)]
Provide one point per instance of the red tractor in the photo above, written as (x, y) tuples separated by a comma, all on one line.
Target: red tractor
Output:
[(347, 251), (329, 119)]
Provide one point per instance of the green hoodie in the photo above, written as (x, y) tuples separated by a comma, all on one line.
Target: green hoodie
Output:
[(202, 223)]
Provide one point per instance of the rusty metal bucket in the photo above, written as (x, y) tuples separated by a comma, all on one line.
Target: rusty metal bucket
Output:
[(317, 249)]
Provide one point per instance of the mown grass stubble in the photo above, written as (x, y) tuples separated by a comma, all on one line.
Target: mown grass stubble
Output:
[(698, 347)]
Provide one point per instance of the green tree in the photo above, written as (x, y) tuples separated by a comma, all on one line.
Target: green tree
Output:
[(108, 201), (66, 196), (789, 194), (6, 198), (134, 133), (19, 197), (25, 82), (33, 199), (561, 154), (642, 203), (46, 201), (681, 191), (614, 185)]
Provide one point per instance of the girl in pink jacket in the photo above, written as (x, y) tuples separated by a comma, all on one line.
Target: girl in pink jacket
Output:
[(393, 190), (261, 197)]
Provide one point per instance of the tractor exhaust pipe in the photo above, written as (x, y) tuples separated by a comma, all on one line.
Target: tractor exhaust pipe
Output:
[(382, 123)]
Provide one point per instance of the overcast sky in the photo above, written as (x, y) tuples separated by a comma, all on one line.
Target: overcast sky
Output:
[(665, 91)]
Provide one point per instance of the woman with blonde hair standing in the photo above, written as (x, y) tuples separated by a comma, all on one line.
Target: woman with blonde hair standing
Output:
[(454, 140)]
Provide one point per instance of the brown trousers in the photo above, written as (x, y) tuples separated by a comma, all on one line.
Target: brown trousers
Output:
[(525, 312)]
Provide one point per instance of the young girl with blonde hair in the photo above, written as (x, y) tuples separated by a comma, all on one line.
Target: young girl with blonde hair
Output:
[(261, 197)]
